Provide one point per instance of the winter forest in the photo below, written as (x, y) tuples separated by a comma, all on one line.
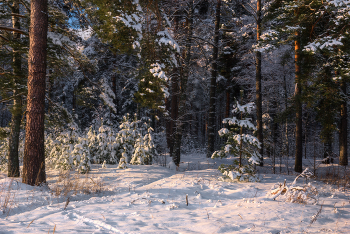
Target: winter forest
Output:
[(182, 116)]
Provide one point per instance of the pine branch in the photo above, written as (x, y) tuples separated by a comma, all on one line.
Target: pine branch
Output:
[(13, 30), (4, 38)]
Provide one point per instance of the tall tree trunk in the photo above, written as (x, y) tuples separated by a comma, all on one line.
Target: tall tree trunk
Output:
[(274, 135), (343, 129), (184, 78), (34, 150), (286, 106), (227, 111), (298, 106), (114, 89), (174, 104), (258, 87), (214, 73), (13, 161), (328, 145)]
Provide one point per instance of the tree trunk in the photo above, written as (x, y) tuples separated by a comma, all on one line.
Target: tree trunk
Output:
[(168, 123), (13, 161), (343, 130), (327, 146), (174, 110), (227, 111), (34, 150), (298, 106), (214, 73), (258, 87), (114, 89), (183, 81), (286, 106), (174, 104)]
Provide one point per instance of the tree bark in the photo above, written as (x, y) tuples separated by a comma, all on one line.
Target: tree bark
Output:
[(298, 106), (34, 150), (174, 106), (258, 87), (343, 129), (13, 159), (214, 73)]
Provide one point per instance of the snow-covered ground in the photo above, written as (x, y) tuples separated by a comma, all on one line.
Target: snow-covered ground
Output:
[(152, 199)]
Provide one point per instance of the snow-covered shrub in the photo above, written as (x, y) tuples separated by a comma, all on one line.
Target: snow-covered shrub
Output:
[(135, 141), (68, 150), (241, 145), (4, 146), (102, 144), (306, 194), (72, 150)]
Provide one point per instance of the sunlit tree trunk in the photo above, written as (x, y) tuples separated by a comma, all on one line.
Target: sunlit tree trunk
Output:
[(298, 108), (34, 151)]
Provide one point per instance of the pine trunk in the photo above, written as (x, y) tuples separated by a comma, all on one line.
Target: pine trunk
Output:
[(227, 111), (174, 104), (343, 130), (183, 81), (214, 73), (298, 106), (258, 87), (13, 160), (174, 110), (34, 150)]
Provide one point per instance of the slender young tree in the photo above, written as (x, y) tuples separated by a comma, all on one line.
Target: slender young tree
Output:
[(343, 129), (13, 161), (258, 85), (214, 73), (34, 151)]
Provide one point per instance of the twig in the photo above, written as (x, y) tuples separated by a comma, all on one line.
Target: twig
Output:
[(31, 222), (67, 202)]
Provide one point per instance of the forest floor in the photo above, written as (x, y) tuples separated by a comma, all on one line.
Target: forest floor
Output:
[(152, 199)]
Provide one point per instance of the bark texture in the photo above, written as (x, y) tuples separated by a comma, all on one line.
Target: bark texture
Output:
[(34, 153)]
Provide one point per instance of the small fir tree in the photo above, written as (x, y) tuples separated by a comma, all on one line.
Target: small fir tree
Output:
[(243, 146)]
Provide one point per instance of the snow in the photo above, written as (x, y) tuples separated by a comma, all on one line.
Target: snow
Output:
[(152, 199)]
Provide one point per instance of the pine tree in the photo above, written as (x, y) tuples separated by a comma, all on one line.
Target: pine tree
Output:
[(34, 151), (214, 74), (258, 84), (241, 145), (13, 158)]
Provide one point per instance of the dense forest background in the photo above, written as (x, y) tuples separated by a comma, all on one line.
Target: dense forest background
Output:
[(130, 81)]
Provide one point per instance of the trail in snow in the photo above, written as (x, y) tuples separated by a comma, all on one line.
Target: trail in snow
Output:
[(152, 199)]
